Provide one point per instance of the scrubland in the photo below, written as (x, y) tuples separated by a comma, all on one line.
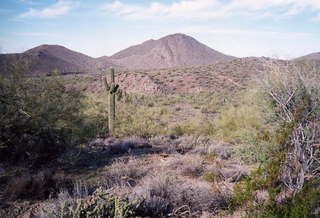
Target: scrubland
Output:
[(250, 151)]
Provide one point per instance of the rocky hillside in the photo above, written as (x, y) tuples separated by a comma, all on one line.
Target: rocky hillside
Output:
[(169, 51), (312, 56), (219, 77), (46, 58)]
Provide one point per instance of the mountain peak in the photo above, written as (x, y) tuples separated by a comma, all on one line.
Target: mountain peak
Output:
[(176, 35), (169, 51), (45, 58), (46, 47)]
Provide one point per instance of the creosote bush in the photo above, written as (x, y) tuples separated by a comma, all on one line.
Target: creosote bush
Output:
[(246, 120)]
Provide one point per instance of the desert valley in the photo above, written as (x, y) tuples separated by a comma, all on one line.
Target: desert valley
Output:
[(197, 133)]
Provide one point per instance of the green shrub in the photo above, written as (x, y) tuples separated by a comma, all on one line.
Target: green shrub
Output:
[(214, 103), (95, 108), (256, 151), (248, 120), (39, 118), (304, 204), (295, 97), (195, 126), (99, 204), (210, 177), (133, 120), (237, 124)]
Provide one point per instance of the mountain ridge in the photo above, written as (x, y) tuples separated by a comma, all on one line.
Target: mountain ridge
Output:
[(169, 51), (176, 50), (47, 58), (312, 56)]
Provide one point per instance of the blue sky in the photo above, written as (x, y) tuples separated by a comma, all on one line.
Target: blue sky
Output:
[(276, 28)]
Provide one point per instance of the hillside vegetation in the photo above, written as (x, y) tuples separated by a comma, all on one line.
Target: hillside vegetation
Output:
[(244, 141)]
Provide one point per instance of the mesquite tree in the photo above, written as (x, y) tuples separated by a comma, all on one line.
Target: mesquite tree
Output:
[(295, 92)]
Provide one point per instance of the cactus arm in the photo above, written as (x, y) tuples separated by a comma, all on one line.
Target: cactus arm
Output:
[(106, 85), (114, 89)]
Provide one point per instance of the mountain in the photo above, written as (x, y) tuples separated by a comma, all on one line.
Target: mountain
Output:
[(169, 51), (46, 58), (312, 56)]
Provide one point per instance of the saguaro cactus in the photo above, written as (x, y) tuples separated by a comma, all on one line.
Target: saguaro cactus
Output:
[(112, 90)]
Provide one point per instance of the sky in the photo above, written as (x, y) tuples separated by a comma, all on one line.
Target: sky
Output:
[(274, 28)]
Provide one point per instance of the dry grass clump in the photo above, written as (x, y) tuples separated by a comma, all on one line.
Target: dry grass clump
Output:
[(182, 145), (156, 190), (204, 146), (165, 194), (187, 165), (126, 172)]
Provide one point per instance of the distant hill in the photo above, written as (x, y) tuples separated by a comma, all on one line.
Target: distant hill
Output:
[(46, 58), (221, 77), (312, 56), (169, 51)]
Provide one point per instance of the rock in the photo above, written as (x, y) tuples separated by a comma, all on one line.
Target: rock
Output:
[(235, 176), (2, 171), (127, 145), (261, 196), (136, 143), (110, 140), (223, 150), (27, 215), (230, 175), (97, 143)]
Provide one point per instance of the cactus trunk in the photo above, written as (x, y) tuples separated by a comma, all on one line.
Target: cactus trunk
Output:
[(112, 89), (112, 104)]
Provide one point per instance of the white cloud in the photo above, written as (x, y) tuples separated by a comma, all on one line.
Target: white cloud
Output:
[(190, 8), (36, 34), (211, 8), (62, 7)]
